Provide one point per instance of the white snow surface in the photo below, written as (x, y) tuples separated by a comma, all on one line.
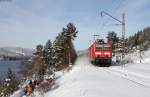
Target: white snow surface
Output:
[(18, 93), (136, 58), (87, 80)]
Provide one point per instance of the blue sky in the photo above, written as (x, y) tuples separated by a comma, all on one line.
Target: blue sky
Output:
[(26, 23)]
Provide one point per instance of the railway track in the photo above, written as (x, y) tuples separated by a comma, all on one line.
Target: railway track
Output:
[(135, 79)]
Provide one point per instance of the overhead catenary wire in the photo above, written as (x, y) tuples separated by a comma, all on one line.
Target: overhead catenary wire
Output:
[(115, 10), (122, 23)]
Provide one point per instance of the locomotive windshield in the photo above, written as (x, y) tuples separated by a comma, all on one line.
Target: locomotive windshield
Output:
[(103, 47)]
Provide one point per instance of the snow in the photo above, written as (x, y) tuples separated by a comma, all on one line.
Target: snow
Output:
[(135, 57), (18, 93), (87, 80)]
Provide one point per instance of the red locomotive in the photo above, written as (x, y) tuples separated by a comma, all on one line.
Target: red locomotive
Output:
[(100, 53)]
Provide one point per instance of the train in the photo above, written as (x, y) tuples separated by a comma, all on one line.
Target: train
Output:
[(100, 53)]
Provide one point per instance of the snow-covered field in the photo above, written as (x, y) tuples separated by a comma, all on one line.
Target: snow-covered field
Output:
[(86, 80), (136, 58)]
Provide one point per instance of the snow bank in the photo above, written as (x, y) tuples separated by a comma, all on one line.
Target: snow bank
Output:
[(136, 58), (18, 93)]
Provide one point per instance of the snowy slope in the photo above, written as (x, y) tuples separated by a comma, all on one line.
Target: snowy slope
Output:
[(18, 93), (86, 80)]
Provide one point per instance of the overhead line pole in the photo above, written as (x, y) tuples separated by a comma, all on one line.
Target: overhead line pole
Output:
[(122, 23), (123, 38)]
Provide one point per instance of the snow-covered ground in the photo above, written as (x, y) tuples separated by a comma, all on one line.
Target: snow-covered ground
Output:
[(136, 58), (86, 80), (18, 93)]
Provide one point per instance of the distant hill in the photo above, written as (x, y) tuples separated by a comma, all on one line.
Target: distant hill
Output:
[(16, 51), (141, 38)]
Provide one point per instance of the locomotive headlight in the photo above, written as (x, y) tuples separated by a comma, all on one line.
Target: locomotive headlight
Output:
[(107, 53), (98, 53)]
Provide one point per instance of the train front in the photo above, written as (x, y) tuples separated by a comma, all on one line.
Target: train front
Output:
[(103, 53)]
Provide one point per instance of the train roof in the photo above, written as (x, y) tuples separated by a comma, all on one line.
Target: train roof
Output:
[(101, 41)]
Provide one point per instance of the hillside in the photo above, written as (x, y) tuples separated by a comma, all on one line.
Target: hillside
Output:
[(15, 51)]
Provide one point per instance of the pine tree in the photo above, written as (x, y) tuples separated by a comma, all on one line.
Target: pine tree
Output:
[(71, 33), (58, 51), (38, 62), (63, 47), (112, 36), (9, 85), (141, 37), (48, 57)]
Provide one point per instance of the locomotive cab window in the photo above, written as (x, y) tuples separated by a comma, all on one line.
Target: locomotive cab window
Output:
[(103, 47)]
